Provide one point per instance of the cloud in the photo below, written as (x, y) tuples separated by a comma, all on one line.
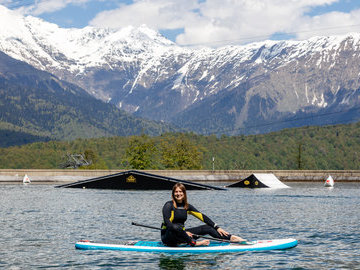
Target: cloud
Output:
[(247, 20), (328, 24), (48, 6), (5, 2), (220, 22), (158, 14)]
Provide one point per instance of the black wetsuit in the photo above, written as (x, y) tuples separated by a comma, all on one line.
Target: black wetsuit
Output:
[(173, 228)]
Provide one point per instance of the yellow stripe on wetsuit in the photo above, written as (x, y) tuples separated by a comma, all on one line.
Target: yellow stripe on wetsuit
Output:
[(172, 216), (171, 219), (197, 215)]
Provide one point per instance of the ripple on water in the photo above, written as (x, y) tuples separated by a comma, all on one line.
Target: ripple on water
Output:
[(42, 225)]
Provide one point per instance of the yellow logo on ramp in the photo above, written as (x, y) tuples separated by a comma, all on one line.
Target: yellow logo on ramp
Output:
[(131, 179)]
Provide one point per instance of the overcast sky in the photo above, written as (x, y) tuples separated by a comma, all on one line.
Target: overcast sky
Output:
[(204, 22)]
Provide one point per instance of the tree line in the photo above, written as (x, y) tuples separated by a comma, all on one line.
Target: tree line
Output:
[(323, 148)]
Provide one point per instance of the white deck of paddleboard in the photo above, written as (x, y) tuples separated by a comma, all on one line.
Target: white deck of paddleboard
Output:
[(258, 246), (270, 180)]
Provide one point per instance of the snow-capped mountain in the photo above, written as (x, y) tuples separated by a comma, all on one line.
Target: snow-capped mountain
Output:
[(203, 89)]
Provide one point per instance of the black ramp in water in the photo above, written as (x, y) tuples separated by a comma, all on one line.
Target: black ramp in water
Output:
[(260, 180), (136, 180)]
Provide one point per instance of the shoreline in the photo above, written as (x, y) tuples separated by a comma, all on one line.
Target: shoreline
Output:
[(58, 176)]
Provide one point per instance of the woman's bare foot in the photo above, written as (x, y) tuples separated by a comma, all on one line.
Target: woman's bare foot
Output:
[(235, 238), (202, 243)]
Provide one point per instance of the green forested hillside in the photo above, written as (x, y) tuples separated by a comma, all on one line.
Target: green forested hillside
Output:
[(13, 137), (329, 147), (42, 105)]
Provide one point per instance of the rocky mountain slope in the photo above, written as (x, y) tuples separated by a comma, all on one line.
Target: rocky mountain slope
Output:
[(234, 89), (39, 104)]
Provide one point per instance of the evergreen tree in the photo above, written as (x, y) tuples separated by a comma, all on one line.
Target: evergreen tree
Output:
[(140, 152), (181, 155)]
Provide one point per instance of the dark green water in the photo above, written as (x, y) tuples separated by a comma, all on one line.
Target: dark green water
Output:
[(40, 225)]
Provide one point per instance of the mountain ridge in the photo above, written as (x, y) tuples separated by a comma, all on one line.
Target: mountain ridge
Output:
[(145, 74)]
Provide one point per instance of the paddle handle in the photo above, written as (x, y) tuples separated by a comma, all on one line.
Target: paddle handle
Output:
[(146, 226)]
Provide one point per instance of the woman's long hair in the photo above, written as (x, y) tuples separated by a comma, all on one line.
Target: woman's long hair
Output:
[(183, 189)]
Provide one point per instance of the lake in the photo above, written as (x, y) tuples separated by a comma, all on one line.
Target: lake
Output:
[(40, 225)]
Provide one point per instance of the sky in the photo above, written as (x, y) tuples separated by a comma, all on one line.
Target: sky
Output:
[(204, 22)]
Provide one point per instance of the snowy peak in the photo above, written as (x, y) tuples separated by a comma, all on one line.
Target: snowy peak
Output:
[(142, 72), (31, 39)]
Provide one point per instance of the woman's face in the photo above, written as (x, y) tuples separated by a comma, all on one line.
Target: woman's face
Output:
[(179, 195)]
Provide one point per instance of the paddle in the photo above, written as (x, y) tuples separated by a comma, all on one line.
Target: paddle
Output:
[(196, 235)]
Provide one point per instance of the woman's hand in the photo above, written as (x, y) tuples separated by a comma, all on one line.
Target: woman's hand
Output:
[(222, 232), (189, 234)]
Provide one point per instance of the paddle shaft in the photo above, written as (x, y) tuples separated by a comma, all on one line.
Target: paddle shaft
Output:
[(196, 235)]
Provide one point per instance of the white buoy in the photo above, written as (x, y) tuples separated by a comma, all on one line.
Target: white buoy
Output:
[(26, 179), (329, 182)]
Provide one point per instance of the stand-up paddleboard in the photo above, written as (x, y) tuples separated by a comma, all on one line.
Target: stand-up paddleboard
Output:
[(151, 246)]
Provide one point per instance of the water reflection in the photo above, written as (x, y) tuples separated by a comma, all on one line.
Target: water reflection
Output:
[(180, 262), (168, 263)]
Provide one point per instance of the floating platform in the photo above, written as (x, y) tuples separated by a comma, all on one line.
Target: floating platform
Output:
[(136, 180), (260, 180)]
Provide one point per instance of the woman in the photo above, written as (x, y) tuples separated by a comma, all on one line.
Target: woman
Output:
[(175, 214)]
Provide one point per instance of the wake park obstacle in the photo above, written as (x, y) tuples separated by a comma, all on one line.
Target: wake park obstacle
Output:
[(136, 180), (260, 180)]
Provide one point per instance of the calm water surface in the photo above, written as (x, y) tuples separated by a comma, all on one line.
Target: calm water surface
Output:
[(40, 225)]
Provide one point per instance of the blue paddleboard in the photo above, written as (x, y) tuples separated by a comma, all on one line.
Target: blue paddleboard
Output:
[(151, 246)]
